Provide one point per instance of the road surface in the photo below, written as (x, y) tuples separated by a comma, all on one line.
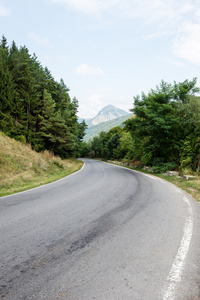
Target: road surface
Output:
[(104, 233)]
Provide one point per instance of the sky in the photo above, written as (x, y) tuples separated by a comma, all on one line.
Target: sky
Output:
[(108, 51)]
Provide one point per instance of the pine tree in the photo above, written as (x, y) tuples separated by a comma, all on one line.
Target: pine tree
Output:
[(6, 91), (46, 120), (3, 44), (26, 89), (35, 108)]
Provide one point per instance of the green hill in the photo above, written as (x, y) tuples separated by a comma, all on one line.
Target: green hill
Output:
[(105, 126)]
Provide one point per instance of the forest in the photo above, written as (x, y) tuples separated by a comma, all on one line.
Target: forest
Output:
[(34, 108), (163, 133)]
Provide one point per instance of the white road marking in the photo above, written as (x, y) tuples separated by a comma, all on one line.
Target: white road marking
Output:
[(174, 277), (134, 171)]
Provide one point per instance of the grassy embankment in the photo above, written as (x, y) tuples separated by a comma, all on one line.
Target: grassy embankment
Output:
[(192, 187), (21, 168)]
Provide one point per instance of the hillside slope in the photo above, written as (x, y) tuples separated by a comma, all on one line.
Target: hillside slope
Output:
[(22, 168), (105, 126)]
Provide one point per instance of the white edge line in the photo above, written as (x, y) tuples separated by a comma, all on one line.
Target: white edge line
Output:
[(174, 278), (147, 175), (38, 187)]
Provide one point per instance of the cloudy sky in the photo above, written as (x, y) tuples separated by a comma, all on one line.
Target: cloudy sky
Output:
[(108, 51)]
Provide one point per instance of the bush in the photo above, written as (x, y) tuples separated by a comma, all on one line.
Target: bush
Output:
[(164, 167)]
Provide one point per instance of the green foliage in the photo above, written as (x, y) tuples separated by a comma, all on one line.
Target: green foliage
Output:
[(153, 121), (84, 150), (7, 93), (112, 145), (164, 132), (160, 167), (34, 108), (20, 138), (163, 119), (126, 148)]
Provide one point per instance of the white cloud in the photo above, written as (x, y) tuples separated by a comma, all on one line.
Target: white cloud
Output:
[(85, 69), (88, 6), (158, 34), (145, 9), (95, 100), (4, 12), (100, 97), (90, 106), (176, 62), (44, 41), (187, 41), (164, 18), (128, 7), (186, 8), (185, 35)]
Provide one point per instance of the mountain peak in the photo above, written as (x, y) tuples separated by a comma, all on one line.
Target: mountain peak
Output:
[(108, 113), (106, 109)]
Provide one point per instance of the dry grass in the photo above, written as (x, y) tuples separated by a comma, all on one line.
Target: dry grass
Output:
[(192, 187), (22, 168)]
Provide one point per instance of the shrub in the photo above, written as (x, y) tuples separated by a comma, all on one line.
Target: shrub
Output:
[(164, 167)]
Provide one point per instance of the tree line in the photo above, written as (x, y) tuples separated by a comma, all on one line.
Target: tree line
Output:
[(163, 133), (34, 107)]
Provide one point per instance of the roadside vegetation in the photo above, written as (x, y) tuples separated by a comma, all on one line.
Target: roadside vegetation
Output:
[(192, 187), (23, 168), (163, 134), (34, 108), (36, 113)]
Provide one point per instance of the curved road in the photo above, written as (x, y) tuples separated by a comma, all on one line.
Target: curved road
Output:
[(105, 232)]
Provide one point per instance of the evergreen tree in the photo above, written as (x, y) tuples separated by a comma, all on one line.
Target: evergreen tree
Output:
[(4, 45), (79, 140), (34, 108), (27, 92), (6, 90), (46, 121)]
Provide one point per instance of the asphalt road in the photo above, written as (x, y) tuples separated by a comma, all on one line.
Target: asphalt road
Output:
[(104, 232)]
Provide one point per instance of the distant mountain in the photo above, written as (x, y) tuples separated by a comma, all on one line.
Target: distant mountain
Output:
[(108, 113), (93, 131)]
